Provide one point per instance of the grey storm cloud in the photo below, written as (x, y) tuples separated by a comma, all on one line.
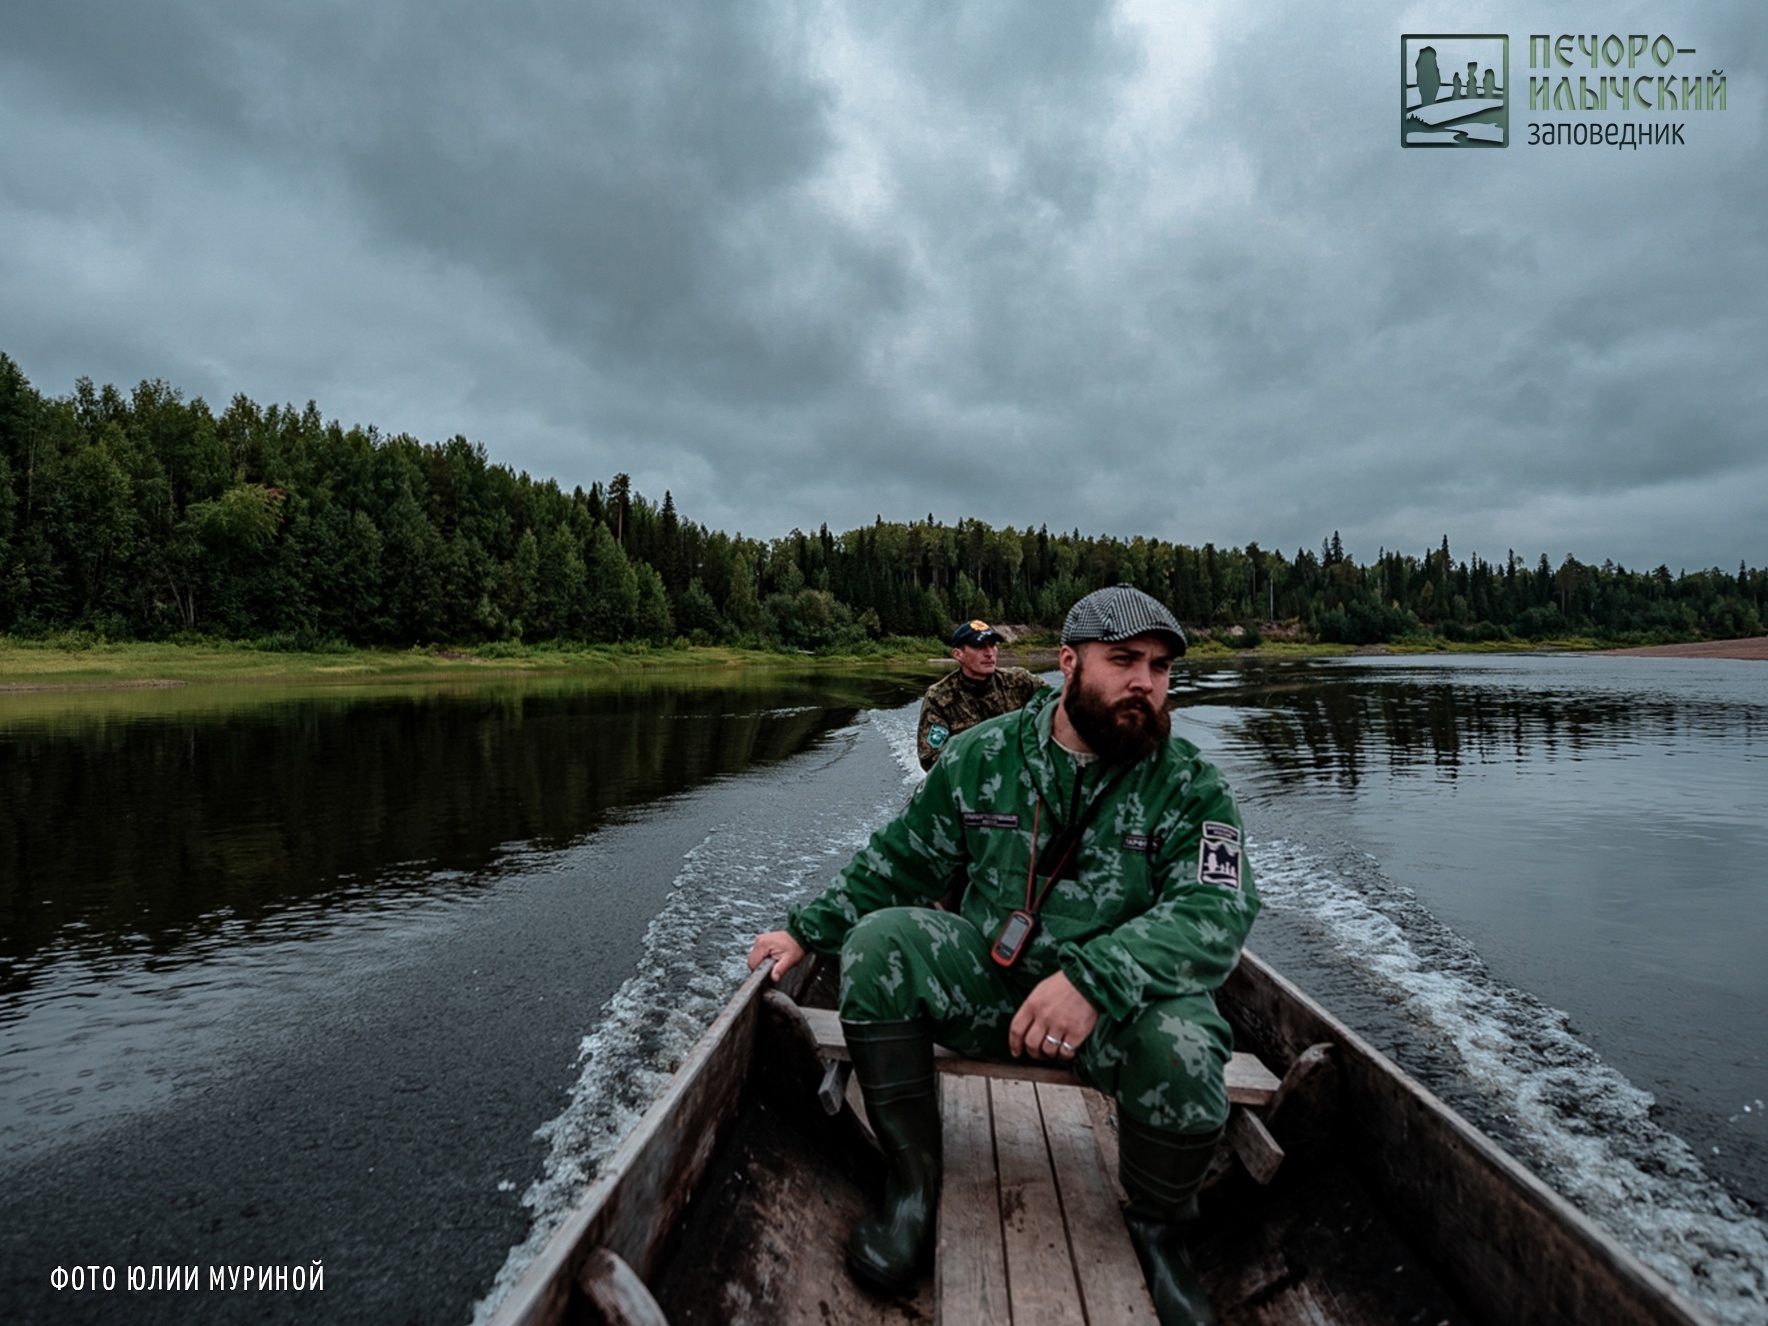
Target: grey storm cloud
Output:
[(1142, 268)]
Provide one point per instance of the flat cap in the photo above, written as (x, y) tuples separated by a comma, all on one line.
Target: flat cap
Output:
[(1120, 613)]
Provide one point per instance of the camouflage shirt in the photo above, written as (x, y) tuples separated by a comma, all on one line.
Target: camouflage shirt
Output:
[(954, 704), (1159, 897)]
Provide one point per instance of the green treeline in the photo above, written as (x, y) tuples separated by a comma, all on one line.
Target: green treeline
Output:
[(146, 516)]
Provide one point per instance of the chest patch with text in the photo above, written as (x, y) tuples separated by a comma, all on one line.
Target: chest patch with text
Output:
[(983, 819)]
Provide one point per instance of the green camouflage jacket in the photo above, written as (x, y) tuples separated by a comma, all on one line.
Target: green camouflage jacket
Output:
[(955, 704), (1162, 896)]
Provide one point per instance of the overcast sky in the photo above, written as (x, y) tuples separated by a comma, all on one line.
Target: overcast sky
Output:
[(1154, 268)]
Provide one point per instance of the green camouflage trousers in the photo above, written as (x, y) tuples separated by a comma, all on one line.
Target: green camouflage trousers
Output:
[(1163, 1065)]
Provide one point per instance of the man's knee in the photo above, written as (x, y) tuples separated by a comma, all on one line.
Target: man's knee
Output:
[(886, 965), (884, 926), (1166, 1065), (877, 938), (909, 962)]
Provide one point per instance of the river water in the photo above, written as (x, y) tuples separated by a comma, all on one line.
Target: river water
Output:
[(373, 978), (1538, 883)]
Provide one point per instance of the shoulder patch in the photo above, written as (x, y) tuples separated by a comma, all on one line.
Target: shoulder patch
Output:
[(937, 734), (1218, 855)]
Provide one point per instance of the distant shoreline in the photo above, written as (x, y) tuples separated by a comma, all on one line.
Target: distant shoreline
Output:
[(1754, 647), (35, 668)]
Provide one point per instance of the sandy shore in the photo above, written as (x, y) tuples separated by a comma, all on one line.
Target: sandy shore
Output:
[(1755, 647)]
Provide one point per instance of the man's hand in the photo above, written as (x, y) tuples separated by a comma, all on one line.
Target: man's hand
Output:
[(1052, 1022), (778, 945)]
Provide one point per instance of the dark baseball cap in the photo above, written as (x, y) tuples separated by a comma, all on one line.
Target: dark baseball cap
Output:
[(975, 633), (1120, 613)]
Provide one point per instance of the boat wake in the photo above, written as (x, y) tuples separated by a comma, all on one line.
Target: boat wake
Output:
[(898, 727), (1571, 1118), (754, 862)]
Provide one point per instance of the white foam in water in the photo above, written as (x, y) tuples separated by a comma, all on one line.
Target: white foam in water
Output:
[(898, 727), (738, 881), (1580, 1125)]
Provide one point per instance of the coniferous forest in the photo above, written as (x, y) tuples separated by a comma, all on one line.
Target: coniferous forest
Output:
[(146, 516)]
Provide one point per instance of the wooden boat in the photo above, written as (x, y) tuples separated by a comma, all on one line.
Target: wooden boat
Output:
[(1352, 1195)]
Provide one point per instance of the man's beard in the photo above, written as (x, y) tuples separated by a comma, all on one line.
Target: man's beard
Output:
[(1119, 734)]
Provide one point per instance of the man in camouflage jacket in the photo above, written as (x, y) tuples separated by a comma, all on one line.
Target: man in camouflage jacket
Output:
[(979, 689), (1133, 932)]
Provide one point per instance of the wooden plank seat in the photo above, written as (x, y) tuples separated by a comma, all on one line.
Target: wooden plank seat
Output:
[(1031, 1232), (1249, 1081)]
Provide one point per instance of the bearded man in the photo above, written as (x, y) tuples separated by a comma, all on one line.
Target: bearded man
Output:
[(1106, 896)]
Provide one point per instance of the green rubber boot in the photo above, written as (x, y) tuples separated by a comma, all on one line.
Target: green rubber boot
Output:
[(893, 1062), (1161, 1171)]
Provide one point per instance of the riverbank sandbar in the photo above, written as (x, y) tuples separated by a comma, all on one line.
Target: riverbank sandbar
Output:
[(1754, 647)]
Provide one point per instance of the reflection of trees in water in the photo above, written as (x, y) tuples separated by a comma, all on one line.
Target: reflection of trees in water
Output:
[(1345, 730), (152, 831)]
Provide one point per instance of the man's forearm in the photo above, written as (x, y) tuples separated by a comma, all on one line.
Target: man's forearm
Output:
[(900, 865), (1185, 946)]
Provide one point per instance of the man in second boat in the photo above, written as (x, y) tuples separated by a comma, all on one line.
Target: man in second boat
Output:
[(1106, 896), (979, 690)]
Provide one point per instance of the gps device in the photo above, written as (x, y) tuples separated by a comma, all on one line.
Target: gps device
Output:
[(1014, 936)]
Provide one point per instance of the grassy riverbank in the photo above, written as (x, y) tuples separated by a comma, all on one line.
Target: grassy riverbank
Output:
[(79, 662)]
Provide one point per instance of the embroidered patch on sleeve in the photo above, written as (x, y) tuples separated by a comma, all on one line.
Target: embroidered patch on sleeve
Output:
[(936, 735), (1218, 855), (983, 819)]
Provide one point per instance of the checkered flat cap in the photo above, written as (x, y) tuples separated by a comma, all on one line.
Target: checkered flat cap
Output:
[(1119, 613)]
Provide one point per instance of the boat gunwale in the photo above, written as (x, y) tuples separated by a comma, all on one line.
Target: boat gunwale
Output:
[(661, 1159)]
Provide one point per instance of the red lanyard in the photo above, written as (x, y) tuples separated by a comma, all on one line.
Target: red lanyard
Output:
[(1031, 867), (1010, 945), (1078, 831)]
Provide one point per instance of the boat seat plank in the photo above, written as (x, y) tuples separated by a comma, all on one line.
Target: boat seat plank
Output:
[(971, 1268), (1249, 1081), (1253, 1143), (1040, 1271), (617, 1292), (1105, 1264)]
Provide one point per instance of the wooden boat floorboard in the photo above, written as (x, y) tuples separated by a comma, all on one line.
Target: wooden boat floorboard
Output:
[(1041, 1285), (1030, 1231), (971, 1259), (1319, 1250), (765, 1245), (1104, 1261)]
